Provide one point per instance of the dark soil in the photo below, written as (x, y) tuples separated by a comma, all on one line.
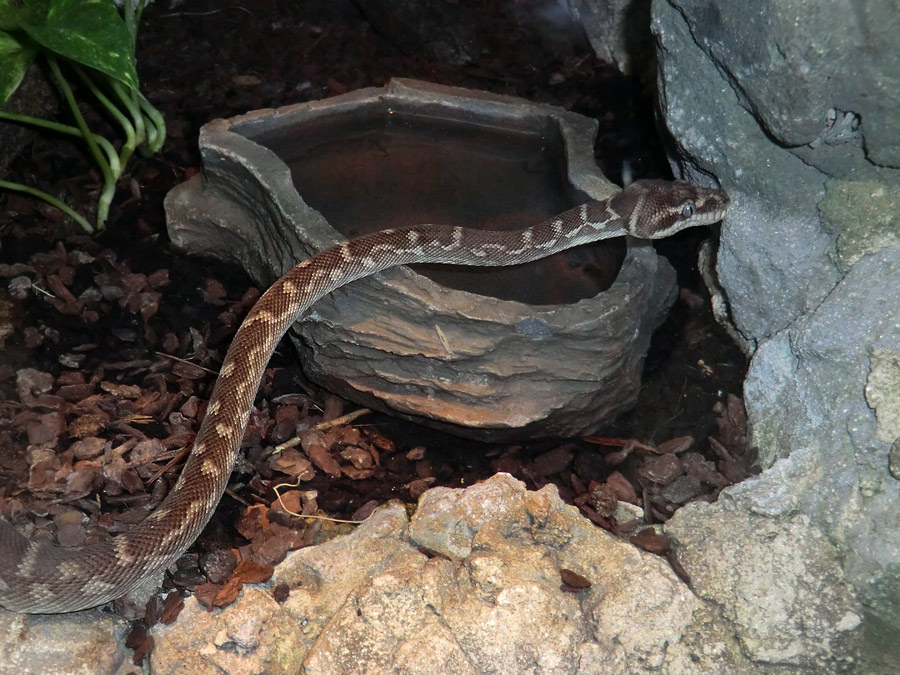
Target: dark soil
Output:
[(92, 407)]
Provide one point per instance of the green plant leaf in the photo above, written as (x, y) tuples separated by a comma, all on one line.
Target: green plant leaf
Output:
[(15, 57), (14, 12), (89, 32)]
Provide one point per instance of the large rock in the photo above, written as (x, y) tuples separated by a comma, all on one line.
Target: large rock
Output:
[(794, 107), (83, 643), (470, 585), (776, 578)]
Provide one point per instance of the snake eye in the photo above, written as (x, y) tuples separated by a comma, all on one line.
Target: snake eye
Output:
[(687, 211)]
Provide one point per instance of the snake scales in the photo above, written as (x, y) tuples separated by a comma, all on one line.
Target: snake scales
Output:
[(40, 577)]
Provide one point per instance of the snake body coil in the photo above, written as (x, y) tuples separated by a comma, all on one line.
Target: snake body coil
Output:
[(39, 577)]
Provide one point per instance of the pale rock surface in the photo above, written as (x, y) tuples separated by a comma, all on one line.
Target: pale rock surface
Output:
[(254, 635), (485, 598), (777, 579), (84, 643)]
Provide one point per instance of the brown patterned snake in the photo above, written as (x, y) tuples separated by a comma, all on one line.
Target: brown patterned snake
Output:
[(40, 577)]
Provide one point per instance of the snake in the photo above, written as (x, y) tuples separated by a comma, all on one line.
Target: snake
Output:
[(42, 577)]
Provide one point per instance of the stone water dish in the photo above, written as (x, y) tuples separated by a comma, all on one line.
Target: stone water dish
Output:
[(555, 347)]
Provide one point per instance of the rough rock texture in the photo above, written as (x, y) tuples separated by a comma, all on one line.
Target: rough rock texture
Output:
[(833, 378), (84, 643), (400, 342), (774, 193), (863, 216), (776, 577), (485, 598), (617, 31), (254, 635), (794, 107)]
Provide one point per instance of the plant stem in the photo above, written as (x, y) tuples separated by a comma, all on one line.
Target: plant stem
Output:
[(128, 99), (132, 13), (69, 131), (132, 139), (50, 199), (155, 139), (109, 183)]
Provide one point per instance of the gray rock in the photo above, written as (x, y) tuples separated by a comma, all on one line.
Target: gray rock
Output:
[(733, 91), (84, 643), (774, 193), (862, 215), (809, 391), (777, 579), (817, 79), (617, 31), (794, 107)]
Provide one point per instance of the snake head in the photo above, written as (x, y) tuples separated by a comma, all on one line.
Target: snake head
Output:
[(653, 209)]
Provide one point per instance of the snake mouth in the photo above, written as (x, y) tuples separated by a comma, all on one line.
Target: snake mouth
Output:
[(715, 216)]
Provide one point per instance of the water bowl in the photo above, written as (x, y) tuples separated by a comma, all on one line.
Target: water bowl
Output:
[(554, 347)]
